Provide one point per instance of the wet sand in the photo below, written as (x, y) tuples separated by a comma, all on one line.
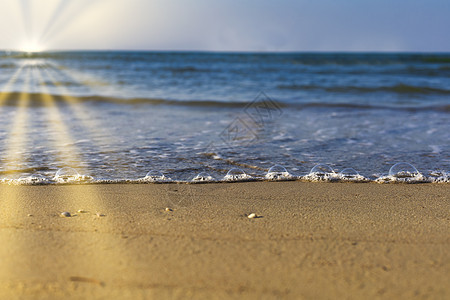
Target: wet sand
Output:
[(310, 241)]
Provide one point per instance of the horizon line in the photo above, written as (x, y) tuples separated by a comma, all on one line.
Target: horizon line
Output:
[(233, 51)]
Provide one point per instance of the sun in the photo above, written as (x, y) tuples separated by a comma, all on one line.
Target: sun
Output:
[(31, 47)]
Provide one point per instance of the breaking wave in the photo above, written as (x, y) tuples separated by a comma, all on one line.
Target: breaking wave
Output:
[(397, 89), (36, 99)]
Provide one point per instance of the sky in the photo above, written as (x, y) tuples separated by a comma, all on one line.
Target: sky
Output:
[(226, 25)]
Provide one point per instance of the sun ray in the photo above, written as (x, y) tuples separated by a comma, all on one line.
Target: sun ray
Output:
[(107, 251), (5, 95), (68, 73), (9, 204), (88, 80), (16, 142), (56, 14), (62, 138), (27, 17), (88, 121), (87, 198), (61, 20)]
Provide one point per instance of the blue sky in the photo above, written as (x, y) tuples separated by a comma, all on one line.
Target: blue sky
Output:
[(231, 25)]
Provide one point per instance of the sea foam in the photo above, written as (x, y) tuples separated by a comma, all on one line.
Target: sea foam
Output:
[(399, 173)]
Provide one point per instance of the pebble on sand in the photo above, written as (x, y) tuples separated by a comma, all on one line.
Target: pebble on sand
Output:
[(252, 216), (168, 209), (66, 214), (81, 211), (100, 215)]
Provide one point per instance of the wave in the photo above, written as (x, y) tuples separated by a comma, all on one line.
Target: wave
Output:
[(311, 177), (439, 59), (441, 108), (312, 58), (61, 83), (36, 99), (24, 170), (8, 66), (181, 70), (398, 88), (41, 100)]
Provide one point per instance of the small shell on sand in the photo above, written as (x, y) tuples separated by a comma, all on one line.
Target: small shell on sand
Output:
[(81, 211), (66, 214), (168, 209), (252, 216), (100, 215), (30, 215)]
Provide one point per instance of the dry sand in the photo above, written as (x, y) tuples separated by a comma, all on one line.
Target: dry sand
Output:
[(311, 241)]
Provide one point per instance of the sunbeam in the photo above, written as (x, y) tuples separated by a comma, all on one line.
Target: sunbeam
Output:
[(11, 197), (27, 17), (4, 95), (59, 20), (62, 139), (57, 13), (84, 78), (87, 201), (17, 138), (88, 121), (30, 43)]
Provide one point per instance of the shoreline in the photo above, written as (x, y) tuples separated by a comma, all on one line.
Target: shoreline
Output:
[(310, 178), (311, 240)]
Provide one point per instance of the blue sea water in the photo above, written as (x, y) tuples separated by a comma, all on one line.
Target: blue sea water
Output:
[(117, 115)]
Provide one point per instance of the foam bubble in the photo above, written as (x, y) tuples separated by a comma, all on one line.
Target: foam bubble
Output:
[(440, 177), (278, 172), (66, 175), (350, 174), (321, 169), (34, 179), (155, 176), (236, 174), (203, 177), (10, 179), (403, 172), (321, 172)]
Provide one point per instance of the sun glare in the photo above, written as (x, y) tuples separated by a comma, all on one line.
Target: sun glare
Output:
[(31, 47)]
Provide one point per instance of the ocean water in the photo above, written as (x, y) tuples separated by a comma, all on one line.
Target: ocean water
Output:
[(118, 115)]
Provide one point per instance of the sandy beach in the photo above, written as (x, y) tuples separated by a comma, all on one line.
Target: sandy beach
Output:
[(309, 241)]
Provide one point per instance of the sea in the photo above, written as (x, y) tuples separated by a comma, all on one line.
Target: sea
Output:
[(118, 115)]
